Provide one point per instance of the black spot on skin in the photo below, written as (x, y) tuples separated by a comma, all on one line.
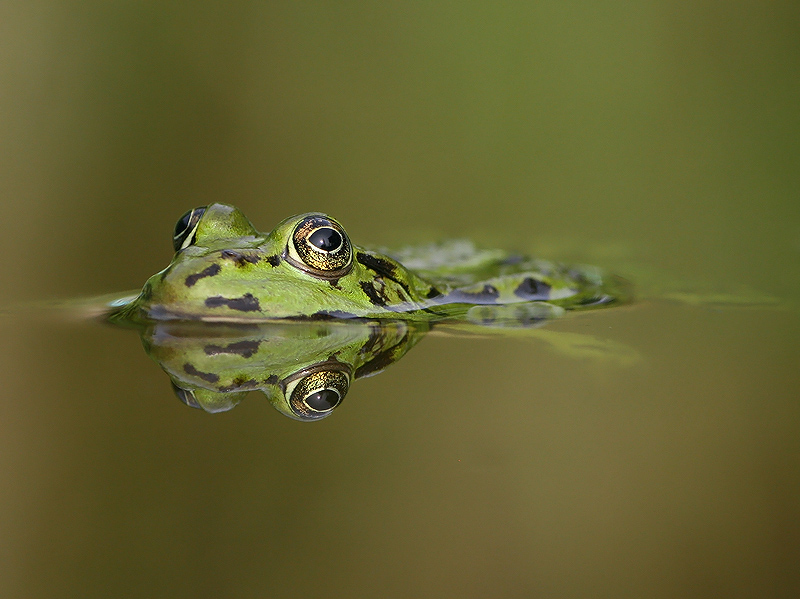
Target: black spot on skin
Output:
[(380, 361), (246, 303), (206, 272), (273, 260), (487, 295), (246, 349), (206, 376), (384, 268), (375, 335), (532, 289), (376, 364), (379, 265), (433, 293), (271, 380), (324, 315), (238, 258), (372, 293)]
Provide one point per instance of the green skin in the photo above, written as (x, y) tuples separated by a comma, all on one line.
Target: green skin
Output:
[(300, 313), (226, 271), (214, 366)]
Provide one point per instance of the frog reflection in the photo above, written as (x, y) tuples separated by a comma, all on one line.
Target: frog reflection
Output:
[(300, 312), (304, 368)]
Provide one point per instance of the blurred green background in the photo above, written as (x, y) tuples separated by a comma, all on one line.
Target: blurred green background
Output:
[(662, 133), (671, 128)]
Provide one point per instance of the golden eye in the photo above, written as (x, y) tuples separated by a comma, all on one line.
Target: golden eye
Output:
[(186, 227), (320, 247), (316, 393)]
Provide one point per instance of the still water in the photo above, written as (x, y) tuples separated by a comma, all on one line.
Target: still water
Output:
[(646, 450)]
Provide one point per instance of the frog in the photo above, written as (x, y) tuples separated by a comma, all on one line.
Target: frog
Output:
[(304, 368), (225, 271)]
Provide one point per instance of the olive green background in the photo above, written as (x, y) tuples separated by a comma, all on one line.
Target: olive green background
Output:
[(657, 133)]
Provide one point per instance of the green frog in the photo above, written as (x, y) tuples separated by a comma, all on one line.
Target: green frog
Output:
[(304, 368), (224, 270), (301, 313)]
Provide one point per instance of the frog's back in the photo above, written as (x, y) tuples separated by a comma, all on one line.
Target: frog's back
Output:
[(486, 277), (307, 268)]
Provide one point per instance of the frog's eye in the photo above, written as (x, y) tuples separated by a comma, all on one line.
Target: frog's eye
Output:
[(186, 228), (316, 393), (320, 247)]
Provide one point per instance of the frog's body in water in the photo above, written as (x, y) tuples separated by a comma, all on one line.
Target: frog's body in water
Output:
[(226, 271)]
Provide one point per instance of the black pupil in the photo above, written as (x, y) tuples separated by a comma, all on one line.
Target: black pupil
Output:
[(185, 225), (323, 400), (326, 239)]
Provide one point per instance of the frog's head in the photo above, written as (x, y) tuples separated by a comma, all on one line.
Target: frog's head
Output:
[(304, 368), (307, 395), (207, 224), (225, 270), (313, 243)]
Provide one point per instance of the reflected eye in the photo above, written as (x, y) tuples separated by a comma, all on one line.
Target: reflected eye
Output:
[(315, 394), (186, 227), (320, 247)]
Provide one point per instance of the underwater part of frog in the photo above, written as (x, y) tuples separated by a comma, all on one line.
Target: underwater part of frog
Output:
[(304, 368), (224, 270)]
